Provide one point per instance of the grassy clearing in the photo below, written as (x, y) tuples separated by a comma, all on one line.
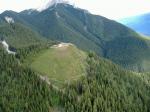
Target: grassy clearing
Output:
[(61, 64)]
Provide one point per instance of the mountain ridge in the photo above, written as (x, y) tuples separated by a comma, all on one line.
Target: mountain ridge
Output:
[(89, 32)]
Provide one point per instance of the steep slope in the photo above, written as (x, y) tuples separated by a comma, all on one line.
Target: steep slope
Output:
[(91, 32), (108, 88), (54, 26), (63, 22), (18, 35), (140, 23), (22, 89)]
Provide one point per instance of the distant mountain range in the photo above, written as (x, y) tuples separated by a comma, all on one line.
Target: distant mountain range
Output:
[(140, 23), (65, 23)]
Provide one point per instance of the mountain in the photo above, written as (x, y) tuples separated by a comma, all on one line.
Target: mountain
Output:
[(49, 25), (140, 23), (16, 33), (109, 39), (52, 76)]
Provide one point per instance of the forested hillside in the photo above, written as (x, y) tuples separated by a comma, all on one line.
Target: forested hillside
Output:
[(18, 35), (106, 87), (22, 89)]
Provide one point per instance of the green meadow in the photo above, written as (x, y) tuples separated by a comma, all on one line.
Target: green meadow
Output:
[(60, 65)]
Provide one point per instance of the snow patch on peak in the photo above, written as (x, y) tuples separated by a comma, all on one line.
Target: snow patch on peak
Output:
[(57, 15), (30, 11), (9, 19), (52, 3), (55, 2)]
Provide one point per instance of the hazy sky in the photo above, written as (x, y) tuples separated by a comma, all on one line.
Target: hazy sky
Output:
[(113, 9)]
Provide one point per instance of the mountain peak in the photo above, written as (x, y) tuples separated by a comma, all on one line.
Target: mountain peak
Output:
[(52, 3)]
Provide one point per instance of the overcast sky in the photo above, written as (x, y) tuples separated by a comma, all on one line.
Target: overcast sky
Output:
[(112, 9)]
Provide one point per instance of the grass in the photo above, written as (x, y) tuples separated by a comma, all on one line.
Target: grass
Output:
[(60, 65)]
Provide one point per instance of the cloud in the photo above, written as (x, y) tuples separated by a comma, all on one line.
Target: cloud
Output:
[(51, 3)]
